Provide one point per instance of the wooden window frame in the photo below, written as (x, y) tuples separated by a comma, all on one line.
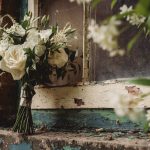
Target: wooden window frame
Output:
[(85, 95)]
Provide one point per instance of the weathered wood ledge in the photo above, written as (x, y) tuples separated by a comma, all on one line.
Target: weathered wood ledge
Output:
[(75, 141)]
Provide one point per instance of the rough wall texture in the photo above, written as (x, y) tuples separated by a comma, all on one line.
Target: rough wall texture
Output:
[(8, 87), (8, 99)]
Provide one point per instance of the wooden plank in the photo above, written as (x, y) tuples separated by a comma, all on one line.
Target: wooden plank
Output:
[(85, 96), (85, 119)]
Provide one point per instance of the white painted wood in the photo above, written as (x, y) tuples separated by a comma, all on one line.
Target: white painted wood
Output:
[(33, 7), (93, 96)]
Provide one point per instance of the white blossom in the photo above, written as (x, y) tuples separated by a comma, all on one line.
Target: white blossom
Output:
[(58, 59), (62, 36), (127, 105), (59, 38), (14, 61), (45, 34), (125, 9), (16, 29), (133, 18), (81, 1), (106, 36)]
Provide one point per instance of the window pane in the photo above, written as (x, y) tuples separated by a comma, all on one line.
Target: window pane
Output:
[(137, 63)]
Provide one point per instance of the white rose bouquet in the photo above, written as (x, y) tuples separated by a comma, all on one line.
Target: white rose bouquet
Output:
[(30, 54)]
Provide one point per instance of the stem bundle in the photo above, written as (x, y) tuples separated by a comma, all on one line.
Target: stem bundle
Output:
[(24, 122)]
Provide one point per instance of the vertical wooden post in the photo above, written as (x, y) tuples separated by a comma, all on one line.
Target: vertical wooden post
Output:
[(33, 7), (85, 43)]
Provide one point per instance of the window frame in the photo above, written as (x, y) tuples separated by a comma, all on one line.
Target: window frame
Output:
[(91, 95)]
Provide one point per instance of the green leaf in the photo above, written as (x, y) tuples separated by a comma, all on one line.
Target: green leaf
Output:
[(25, 24), (145, 82), (142, 7), (95, 3), (113, 3)]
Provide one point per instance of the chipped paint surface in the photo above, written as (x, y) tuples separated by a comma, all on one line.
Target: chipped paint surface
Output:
[(72, 120), (93, 96), (22, 146)]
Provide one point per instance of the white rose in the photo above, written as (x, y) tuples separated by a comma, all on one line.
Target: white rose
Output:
[(45, 34), (14, 61), (40, 50), (58, 59), (33, 36), (33, 39)]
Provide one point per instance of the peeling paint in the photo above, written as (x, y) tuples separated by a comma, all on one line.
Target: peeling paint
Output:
[(22, 146), (72, 120)]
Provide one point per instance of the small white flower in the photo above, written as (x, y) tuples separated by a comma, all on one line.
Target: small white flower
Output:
[(39, 50), (62, 36), (45, 34), (59, 38), (125, 9), (14, 61), (135, 19), (16, 29), (58, 59)]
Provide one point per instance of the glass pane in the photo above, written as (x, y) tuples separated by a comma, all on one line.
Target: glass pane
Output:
[(137, 63)]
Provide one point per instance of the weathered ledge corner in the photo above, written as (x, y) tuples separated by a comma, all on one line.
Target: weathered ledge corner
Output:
[(75, 141)]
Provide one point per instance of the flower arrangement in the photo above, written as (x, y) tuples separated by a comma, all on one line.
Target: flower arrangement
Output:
[(30, 54)]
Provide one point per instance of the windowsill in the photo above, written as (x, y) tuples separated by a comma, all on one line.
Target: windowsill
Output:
[(91, 95)]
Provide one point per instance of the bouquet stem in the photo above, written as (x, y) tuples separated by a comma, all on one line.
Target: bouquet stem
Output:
[(24, 122)]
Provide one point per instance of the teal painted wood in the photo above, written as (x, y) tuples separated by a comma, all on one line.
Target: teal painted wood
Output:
[(22, 146), (23, 8), (72, 120)]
